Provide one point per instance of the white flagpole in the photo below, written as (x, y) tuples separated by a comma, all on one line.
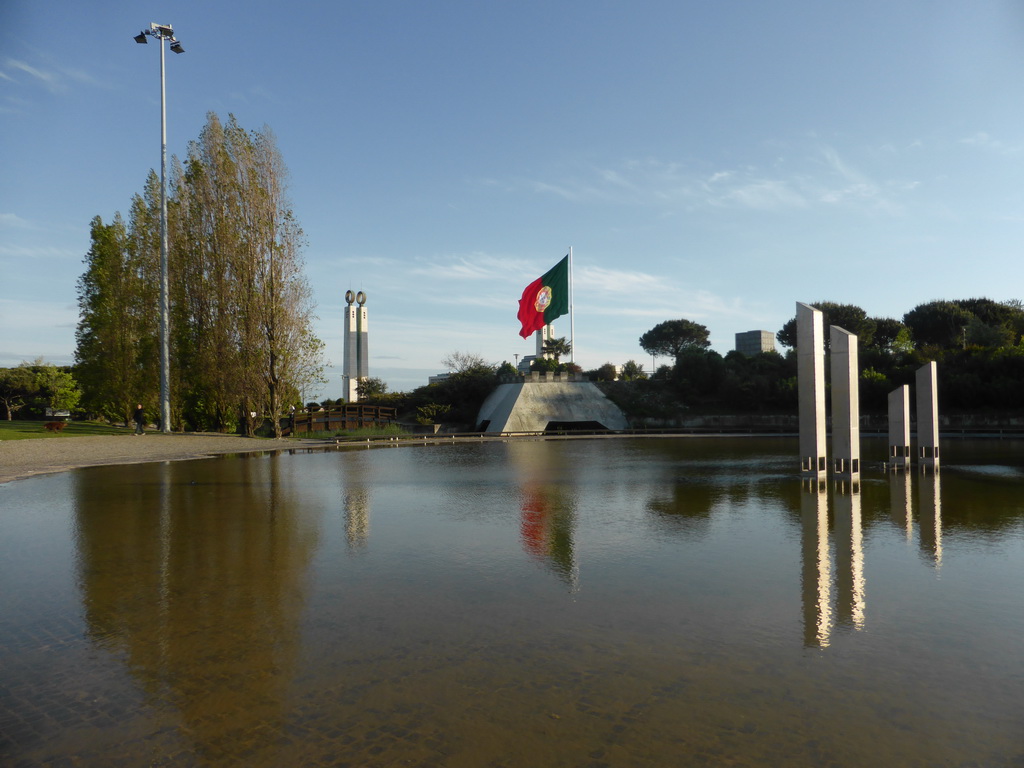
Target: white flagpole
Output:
[(572, 318)]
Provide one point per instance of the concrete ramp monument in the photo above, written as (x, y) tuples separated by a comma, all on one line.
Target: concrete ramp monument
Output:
[(540, 400)]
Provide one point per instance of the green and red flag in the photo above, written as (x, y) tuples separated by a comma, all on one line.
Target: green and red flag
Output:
[(545, 298)]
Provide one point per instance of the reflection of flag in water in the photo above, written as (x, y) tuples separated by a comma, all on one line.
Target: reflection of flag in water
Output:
[(546, 530)]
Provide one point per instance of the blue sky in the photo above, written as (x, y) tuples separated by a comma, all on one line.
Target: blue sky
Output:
[(713, 161)]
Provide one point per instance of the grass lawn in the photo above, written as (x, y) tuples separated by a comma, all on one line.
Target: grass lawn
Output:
[(25, 430)]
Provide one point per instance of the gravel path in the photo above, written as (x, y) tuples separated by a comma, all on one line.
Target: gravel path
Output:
[(24, 458)]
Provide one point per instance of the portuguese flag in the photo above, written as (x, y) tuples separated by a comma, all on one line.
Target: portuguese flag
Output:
[(545, 298)]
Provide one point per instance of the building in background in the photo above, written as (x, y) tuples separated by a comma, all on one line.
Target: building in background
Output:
[(755, 342), (357, 348)]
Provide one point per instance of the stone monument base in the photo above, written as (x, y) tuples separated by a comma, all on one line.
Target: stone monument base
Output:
[(531, 405)]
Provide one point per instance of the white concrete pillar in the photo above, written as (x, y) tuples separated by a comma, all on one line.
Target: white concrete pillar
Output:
[(927, 415), (544, 335), (845, 404), (350, 366), (363, 333), (810, 353), (899, 428), (356, 362)]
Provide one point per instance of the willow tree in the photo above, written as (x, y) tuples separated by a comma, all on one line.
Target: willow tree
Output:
[(241, 309), (204, 257), (245, 309)]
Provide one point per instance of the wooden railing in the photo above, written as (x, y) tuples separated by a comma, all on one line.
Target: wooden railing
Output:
[(351, 416)]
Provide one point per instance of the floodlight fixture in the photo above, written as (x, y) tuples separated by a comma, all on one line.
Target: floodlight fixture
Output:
[(141, 38), (162, 30), (176, 46)]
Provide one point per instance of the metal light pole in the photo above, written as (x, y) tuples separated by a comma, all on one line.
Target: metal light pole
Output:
[(163, 32)]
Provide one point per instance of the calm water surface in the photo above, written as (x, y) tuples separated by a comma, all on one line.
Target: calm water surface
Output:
[(547, 603)]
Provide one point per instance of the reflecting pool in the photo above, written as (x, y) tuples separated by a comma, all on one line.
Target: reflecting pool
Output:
[(606, 602)]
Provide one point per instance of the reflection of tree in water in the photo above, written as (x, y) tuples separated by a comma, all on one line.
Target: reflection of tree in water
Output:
[(546, 529), (692, 488), (195, 573), (985, 502), (686, 507)]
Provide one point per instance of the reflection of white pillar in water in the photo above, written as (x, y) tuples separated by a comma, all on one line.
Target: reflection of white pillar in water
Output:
[(899, 428), (849, 557), (930, 516), (816, 574), (845, 404), (355, 366), (810, 355), (901, 503), (927, 415)]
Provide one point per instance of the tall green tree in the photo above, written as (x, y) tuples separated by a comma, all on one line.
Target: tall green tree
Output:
[(632, 371), (891, 335), (115, 352), (460, 362), (849, 317), (244, 309), (206, 258), (672, 337), (17, 387), (57, 388), (241, 309), (939, 323), (371, 387), (998, 324)]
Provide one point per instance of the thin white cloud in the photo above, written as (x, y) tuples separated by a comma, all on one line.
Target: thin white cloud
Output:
[(37, 252), (837, 164), (253, 93), (83, 77), (820, 176), (983, 140), (571, 193), (48, 79), (12, 220), (764, 195), (55, 79), (473, 267), (618, 283)]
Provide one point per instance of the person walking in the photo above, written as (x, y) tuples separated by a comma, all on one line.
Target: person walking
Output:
[(140, 420)]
